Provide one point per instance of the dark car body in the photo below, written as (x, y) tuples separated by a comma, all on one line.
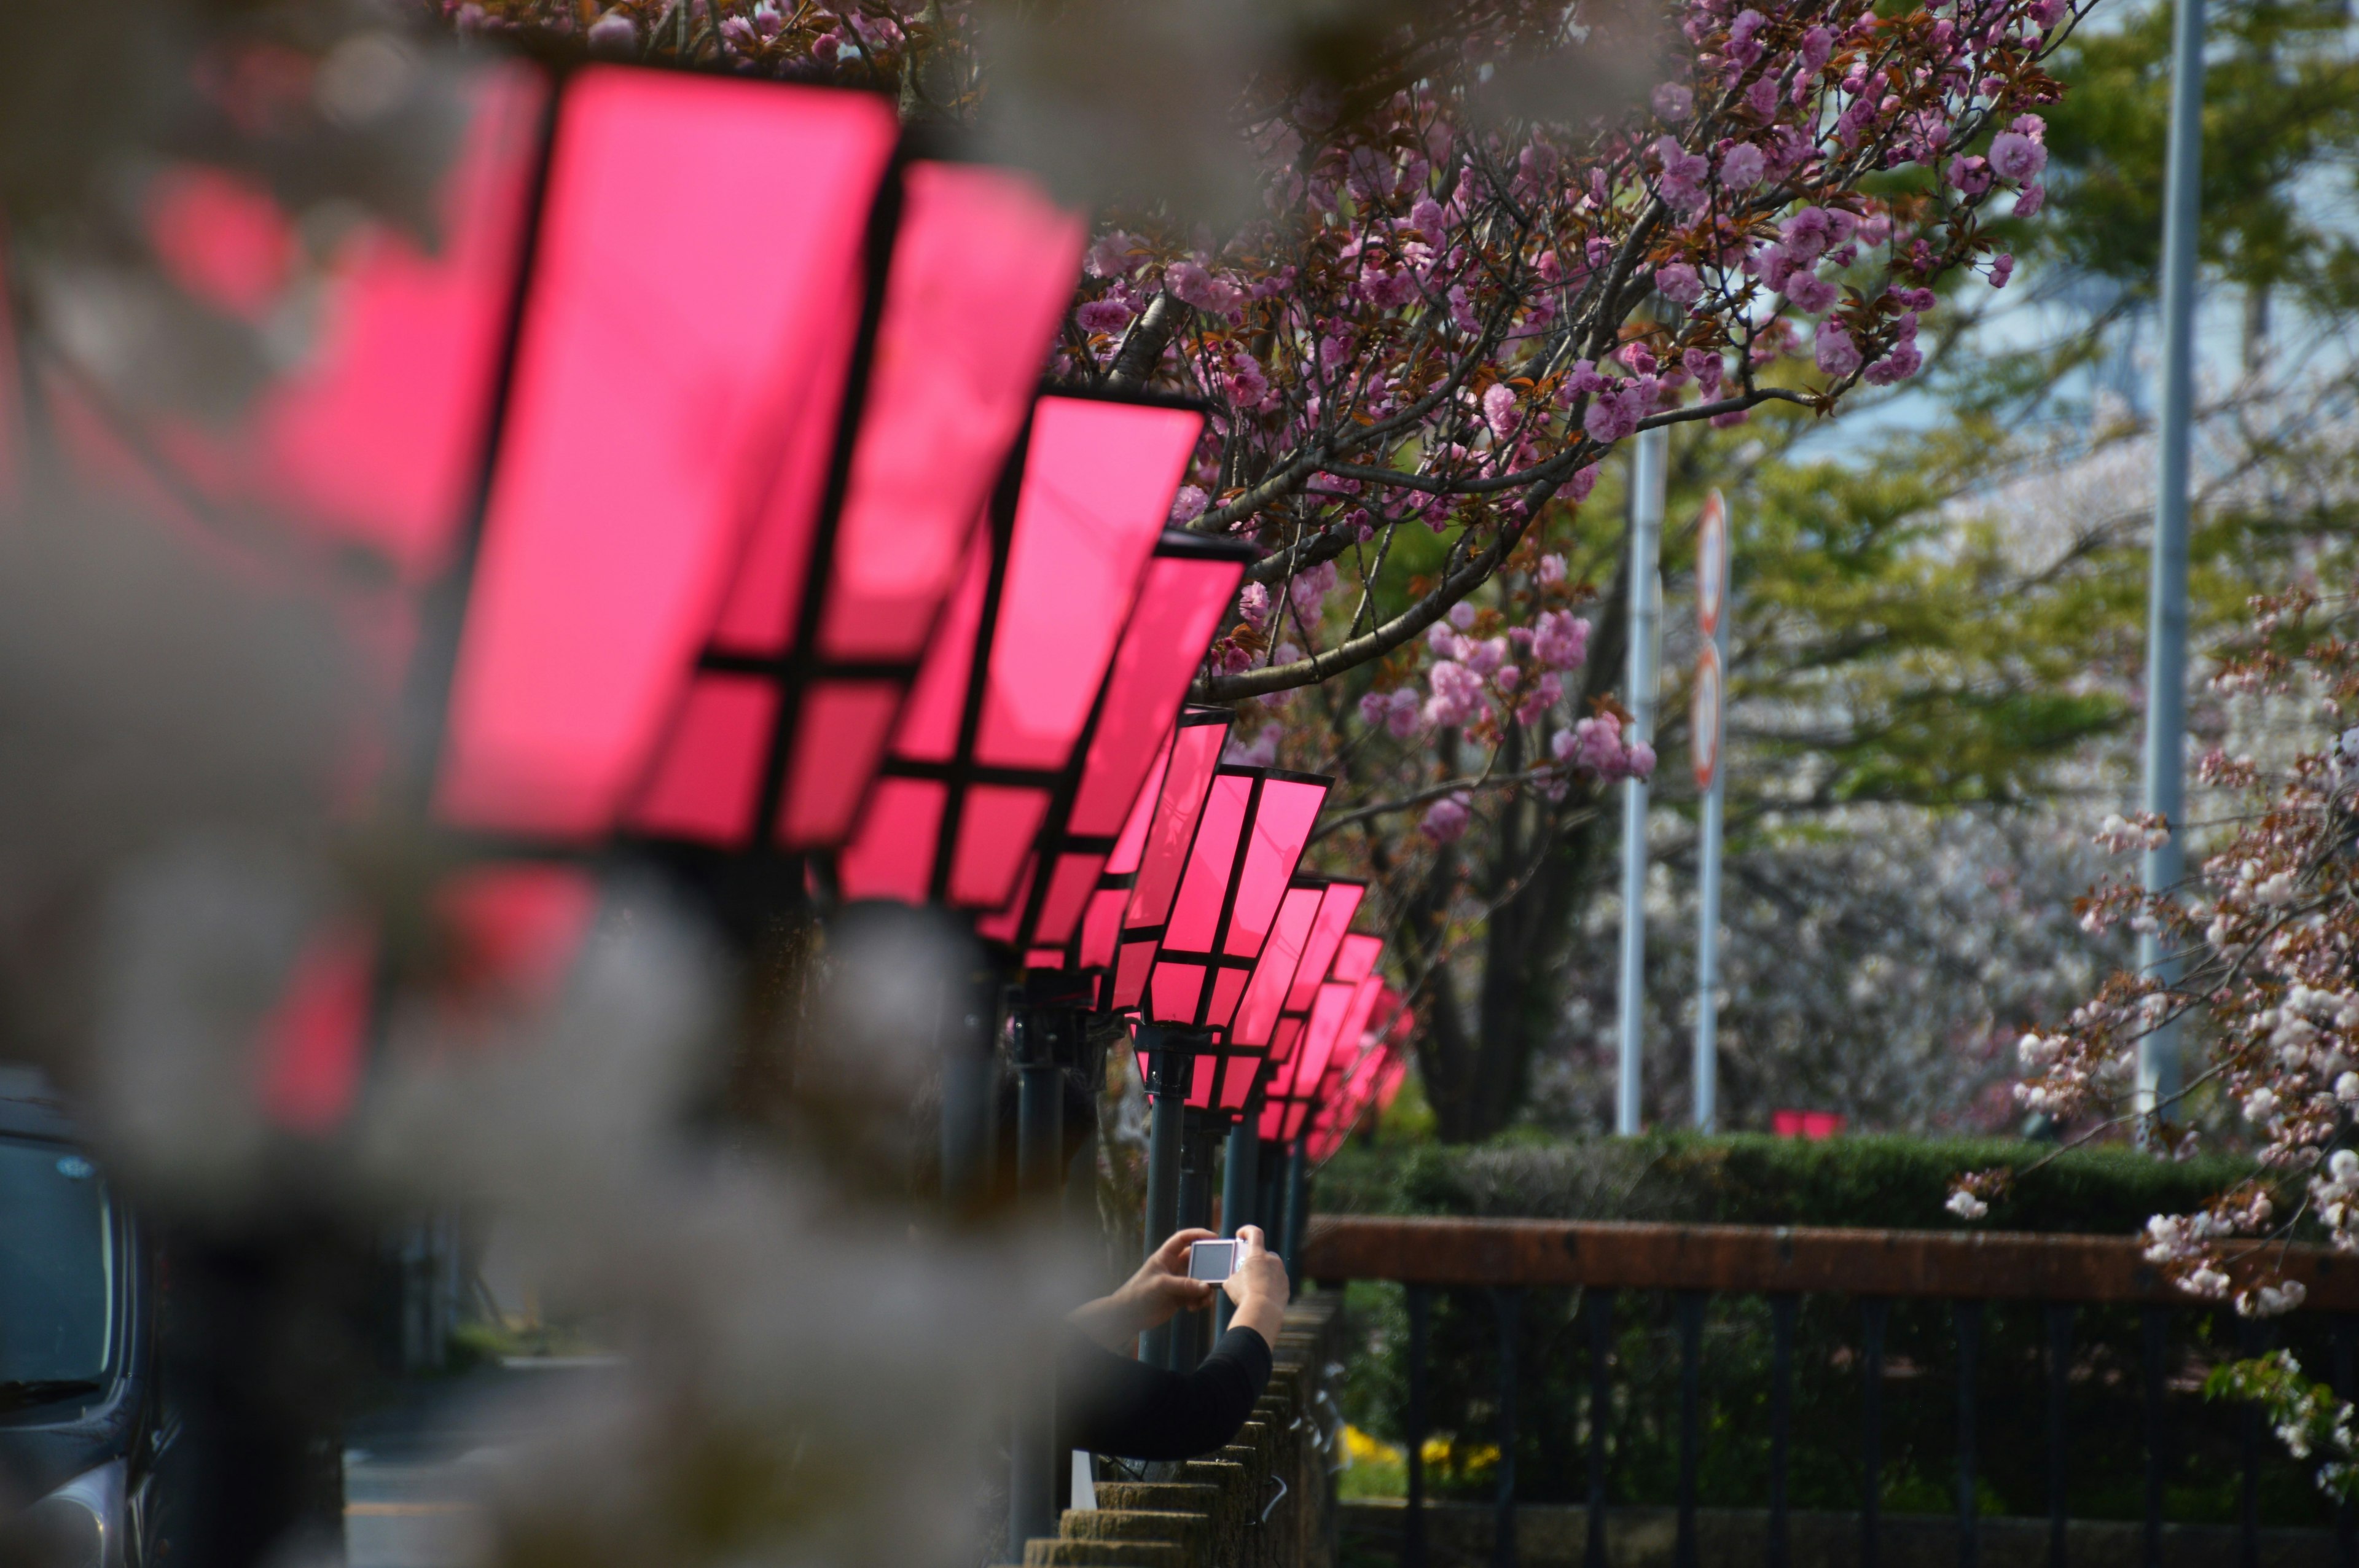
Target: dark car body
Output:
[(82, 1424)]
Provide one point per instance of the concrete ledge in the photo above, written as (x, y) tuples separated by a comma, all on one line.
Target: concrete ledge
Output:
[(1459, 1535)]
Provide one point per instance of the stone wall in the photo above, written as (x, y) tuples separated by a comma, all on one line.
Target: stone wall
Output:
[(1267, 1500)]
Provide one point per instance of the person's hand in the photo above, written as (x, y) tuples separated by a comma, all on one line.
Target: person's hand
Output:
[(1149, 1298), (1260, 1273)]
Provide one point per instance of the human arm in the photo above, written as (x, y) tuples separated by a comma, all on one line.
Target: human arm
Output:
[(1108, 1403), (1258, 1287), (1151, 1296)]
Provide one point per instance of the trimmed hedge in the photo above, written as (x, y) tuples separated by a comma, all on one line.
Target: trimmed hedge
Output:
[(1752, 1179)]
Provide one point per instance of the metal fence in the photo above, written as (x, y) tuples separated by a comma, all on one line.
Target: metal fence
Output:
[(2061, 1274)]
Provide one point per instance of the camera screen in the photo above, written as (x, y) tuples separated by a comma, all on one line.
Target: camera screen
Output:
[(1211, 1260)]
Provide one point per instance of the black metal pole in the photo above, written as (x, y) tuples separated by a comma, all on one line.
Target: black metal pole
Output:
[(1039, 1135), (1688, 1306), (1240, 1182), (969, 1067), (1412, 1555), (2060, 1388), (1968, 1319), (1297, 1211), (1188, 1341), (1598, 1308), (1509, 1303), (1169, 1066), (1874, 1312), (1781, 1426)]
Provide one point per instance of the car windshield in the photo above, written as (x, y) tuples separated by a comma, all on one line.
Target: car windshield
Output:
[(57, 1265)]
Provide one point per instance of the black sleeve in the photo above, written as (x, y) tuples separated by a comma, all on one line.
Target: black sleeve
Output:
[(1111, 1404)]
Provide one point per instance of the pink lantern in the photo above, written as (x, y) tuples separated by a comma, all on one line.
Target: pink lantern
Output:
[(1144, 864), (864, 527), (1197, 960), (663, 534), (1338, 902), (1257, 1011), (1020, 659), (684, 547), (1189, 586), (1357, 1079), (1249, 837), (1337, 1015)]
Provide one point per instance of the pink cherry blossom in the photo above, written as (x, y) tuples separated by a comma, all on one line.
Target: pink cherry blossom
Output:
[(614, 33), (1679, 283), (1742, 165), (1836, 354), (1809, 292), (2016, 157), (1446, 820)]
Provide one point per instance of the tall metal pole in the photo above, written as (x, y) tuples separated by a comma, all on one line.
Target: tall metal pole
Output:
[(1707, 1038), (1647, 469), (1706, 729), (2165, 648), (1167, 1122)]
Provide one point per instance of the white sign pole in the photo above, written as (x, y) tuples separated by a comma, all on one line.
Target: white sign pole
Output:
[(1646, 474), (1706, 732)]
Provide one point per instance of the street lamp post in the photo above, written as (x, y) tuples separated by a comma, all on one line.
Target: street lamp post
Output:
[(2166, 659), (1647, 465)]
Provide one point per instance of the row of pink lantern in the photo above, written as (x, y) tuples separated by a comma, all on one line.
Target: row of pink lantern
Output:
[(800, 567)]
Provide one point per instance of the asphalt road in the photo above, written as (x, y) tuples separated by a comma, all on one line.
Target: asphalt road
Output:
[(410, 1468)]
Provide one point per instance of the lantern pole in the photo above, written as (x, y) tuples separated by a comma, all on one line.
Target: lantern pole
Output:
[(1298, 1206), (1036, 1034), (1168, 1063), (1240, 1184), (2166, 657), (970, 1065), (1647, 466), (1195, 1213)]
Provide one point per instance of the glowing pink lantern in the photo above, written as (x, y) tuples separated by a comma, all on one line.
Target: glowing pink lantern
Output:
[(865, 526), (607, 468), (673, 528), (1144, 868), (1337, 1015), (1338, 902), (1020, 658), (1257, 1011), (1208, 889), (1188, 588), (1198, 957)]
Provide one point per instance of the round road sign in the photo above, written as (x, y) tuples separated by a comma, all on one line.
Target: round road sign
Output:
[(1711, 564), (1704, 717)]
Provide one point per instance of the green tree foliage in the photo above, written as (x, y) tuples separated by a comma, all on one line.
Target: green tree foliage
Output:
[(2280, 149)]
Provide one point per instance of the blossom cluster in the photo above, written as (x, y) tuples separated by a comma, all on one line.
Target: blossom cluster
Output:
[(2268, 936)]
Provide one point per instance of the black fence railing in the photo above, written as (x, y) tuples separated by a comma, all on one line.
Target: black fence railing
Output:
[(2040, 1285)]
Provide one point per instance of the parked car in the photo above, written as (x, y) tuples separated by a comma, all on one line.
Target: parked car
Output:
[(83, 1430)]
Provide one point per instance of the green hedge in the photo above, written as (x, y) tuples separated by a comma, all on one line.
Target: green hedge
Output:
[(1751, 1179)]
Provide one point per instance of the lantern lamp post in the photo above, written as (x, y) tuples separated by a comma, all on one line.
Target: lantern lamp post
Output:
[(668, 561), (1199, 916), (1296, 1085)]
